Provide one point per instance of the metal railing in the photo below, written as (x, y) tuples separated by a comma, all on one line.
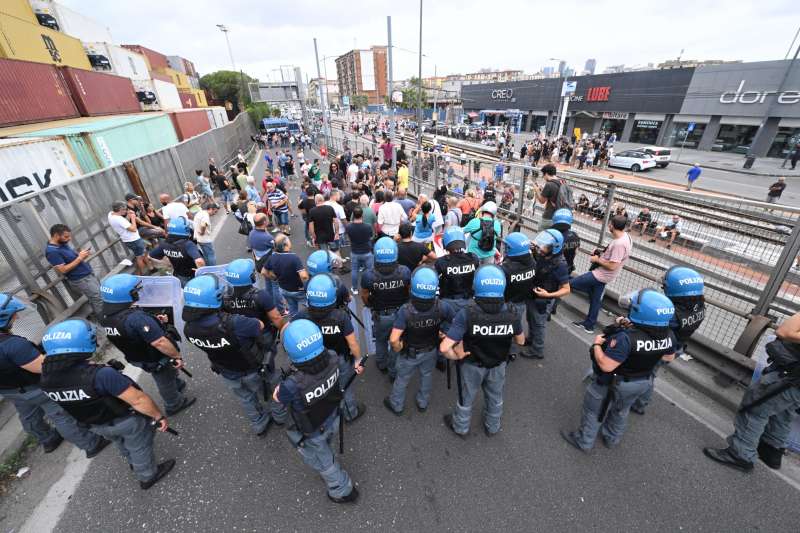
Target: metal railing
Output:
[(745, 249), (83, 204)]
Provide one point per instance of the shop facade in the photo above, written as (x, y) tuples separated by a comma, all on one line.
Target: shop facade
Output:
[(729, 108)]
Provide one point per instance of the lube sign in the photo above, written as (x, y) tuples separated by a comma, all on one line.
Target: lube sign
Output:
[(503, 94), (740, 96)]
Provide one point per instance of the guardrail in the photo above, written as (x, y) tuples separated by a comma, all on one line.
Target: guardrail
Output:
[(83, 205), (743, 248)]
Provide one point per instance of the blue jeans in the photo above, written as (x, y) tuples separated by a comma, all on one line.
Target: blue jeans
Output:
[(167, 382), (249, 388), (359, 261), (295, 300), (590, 285), (207, 249), (385, 357), (616, 419), (537, 312), (492, 381), (133, 436), (277, 298), (317, 453), (32, 405), (406, 366), (770, 421)]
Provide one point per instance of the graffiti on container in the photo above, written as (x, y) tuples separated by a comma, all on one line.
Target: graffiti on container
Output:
[(14, 188), (52, 48)]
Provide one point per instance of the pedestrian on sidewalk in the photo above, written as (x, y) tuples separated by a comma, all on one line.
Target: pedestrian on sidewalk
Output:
[(775, 190), (78, 274), (203, 231), (795, 155), (692, 175)]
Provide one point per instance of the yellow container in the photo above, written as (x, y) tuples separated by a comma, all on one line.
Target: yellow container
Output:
[(20, 9), (180, 80), (30, 42), (200, 94)]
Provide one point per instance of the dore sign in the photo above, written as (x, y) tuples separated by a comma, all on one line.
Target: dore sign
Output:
[(740, 96)]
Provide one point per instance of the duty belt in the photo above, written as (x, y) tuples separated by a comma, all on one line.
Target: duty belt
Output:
[(389, 311), (412, 353), (604, 382)]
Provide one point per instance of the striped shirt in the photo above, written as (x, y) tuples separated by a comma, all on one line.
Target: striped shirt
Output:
[(276, 197)]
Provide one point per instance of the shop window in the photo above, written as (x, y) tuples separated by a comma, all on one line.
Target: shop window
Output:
[(734, 138), (679, 135), (784, 143), (612, 125), (645, 131), (538, 122)]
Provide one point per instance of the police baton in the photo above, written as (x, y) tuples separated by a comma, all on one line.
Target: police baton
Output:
[(352, 314), (458, 383), (341, 411), (174, 363), (169, 429), (447, 367)]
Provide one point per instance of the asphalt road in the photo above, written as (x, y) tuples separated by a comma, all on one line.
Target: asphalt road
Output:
[(414, 475)]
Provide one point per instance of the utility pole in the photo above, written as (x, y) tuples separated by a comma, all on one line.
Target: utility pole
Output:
[(224, 29), (325, 129), (390, 86), (419, 89), (435, 115)]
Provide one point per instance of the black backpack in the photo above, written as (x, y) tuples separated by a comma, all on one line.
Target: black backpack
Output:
[(486, 242), (564, 196)]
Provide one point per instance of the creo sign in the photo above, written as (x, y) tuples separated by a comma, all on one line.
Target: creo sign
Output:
[(502, 94), (740, 96)]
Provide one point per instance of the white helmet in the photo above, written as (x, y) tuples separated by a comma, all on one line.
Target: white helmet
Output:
[(489, 207)]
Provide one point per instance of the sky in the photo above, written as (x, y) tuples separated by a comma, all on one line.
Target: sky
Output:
[(457, 37)]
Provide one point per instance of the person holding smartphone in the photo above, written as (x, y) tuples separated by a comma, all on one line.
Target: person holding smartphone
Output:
[(73, 265)]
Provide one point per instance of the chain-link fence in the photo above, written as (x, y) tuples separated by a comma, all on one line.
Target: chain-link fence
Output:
[(83, 205), (744, 249)]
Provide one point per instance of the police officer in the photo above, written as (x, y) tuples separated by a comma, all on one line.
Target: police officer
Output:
[(20, 369), (415, 337), (322, 262), (182, 252), (562, 221), (550, 283), (101, 397), (142, 339), (623, 359), (312, 393), (480, 339), (248, 300), (769, 408), (384, 290), (338, 335), (685, 287), (520, 270), (232, 343)]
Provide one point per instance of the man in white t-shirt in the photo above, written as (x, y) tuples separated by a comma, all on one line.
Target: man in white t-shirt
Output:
[(335, 197), (173, 209), (203, 232), (390, 215), (352, 172), (123, 221)]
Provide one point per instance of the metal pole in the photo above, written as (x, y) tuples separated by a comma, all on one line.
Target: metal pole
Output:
[(611, 188), (779, 271), (390, 85), (435, 115), (768, 112), (563, 117), (321, 97), (327, 95), (419, 93)]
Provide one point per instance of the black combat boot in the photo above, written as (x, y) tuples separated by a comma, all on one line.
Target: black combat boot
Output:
[(770, 455)]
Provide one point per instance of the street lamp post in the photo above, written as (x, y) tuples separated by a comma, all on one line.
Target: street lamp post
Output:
[(224, 29), (325, 128), (563, 104), (419, 89)]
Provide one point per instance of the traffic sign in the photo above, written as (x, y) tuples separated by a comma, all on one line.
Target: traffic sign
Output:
[(690, 127), (346, 101)]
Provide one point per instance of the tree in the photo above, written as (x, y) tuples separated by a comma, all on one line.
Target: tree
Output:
[(261, 110), (227, 85), (414, 93), (359, 101)]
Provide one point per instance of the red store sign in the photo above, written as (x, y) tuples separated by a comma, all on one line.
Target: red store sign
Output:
[(598, 94)]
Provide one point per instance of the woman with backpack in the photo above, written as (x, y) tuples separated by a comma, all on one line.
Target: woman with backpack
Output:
[(424, 219), (483, 232)]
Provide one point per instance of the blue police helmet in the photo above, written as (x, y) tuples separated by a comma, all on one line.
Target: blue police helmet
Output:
[(517, 244), (8, 309), (563, 216), (453, 234), (424, 283), (318, 262), (203, 292), (179, 227), (120, 289), (683, 281), (489, 282), (241, 272), (551, 238), (648, 307), (385, 250), (302, 340), (71, 336), (321, 291)]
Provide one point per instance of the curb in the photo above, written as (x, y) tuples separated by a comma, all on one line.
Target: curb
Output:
[(743, 171)]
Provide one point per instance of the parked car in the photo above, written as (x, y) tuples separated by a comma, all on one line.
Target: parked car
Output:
[(48, 21), (146, 97), (493, 132), (99, 61), (633, 160), (660, 154)]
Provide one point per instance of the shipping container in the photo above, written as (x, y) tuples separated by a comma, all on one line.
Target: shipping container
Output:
[(168, 96), (32, 165), (155, 60), (163, 77), (72, 23), (194, 82), (189, 69), (190, 122), (220, 116), (188, 100), (18, 8), (27, 41), (95, 93), (32, 92), (200, 97), (146, 94), (117, 139), (113, 59), (180, 80)]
